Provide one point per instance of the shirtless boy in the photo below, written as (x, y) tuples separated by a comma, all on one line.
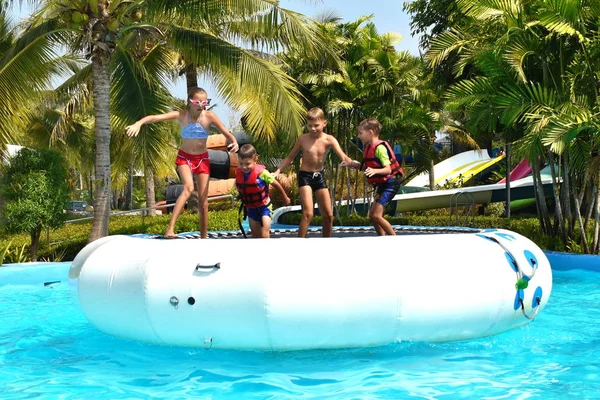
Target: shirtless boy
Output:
[(311, 178)]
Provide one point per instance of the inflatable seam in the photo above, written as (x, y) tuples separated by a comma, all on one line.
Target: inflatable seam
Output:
[(146, 308), (266, 318)]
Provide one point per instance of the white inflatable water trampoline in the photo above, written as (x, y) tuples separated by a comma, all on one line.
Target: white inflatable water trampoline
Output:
[(287, 293)]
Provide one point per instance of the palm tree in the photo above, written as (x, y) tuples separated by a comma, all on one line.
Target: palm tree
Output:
[(375, 80), (27, 63), (71, 137), (533, 71)]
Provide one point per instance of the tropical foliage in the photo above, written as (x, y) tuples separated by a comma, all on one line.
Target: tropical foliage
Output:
[(131, 49), (34, 192), (28, 61), (374, 80), (520, 71), (529, 74)]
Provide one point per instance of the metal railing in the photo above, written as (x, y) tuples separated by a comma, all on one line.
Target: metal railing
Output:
[(144, 213)]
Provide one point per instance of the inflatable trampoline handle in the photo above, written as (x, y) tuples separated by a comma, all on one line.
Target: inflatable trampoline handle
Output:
[(205, 267)]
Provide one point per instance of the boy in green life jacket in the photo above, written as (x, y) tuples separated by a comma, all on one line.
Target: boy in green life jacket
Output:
[(382, 171)]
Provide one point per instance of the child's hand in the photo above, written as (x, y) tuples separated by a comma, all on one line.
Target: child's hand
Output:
[(286, 201), (133, 130), (276, 173), (351, 164), (370, 172), (233, 147)]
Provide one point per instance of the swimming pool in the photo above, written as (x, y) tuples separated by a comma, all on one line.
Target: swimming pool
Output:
[(48, 350)]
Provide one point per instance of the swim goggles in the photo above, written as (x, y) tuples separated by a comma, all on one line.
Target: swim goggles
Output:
[(200, 102)]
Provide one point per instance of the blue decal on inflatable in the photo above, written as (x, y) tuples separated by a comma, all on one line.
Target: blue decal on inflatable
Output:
[(518, 296), (485, 237), (506, 236), (538, 294), (511, 261), (531, 259)]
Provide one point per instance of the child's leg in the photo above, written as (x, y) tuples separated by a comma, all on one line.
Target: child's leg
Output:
[(306, 201), (266, 226), (202, 180), (382, 226), (188, 187), (255, 228), (326, 211)]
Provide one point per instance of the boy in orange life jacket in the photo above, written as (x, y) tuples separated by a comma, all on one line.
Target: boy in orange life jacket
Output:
[(382, 170), (252, 181), (311, 178)]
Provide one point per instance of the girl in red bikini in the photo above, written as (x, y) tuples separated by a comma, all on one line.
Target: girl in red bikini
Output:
[(192, 159)]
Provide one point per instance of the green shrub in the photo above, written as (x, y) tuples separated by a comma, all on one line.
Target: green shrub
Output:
[(3, 252), (13, 254), (65, 242), (34, 190)]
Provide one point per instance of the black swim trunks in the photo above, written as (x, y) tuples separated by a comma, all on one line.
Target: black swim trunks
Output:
[(316, 180)]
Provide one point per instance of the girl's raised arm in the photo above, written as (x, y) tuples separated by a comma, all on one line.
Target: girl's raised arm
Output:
[(133, 130), (216, 121)]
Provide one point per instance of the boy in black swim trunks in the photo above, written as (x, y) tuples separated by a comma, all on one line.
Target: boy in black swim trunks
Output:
[(382, 170), (311, 178)]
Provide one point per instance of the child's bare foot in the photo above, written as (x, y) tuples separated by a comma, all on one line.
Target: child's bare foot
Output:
[(170, 235)]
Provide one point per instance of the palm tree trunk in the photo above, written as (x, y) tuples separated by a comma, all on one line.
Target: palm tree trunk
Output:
[(101, 79), (585, 188), (596, 192), (191, 77), (584, 240), (508, 147), (35, 241), (541, 200), (114, 200), (570, 221), (537, 203), (356, 178), (557, 203), (91, 186), (334, 179), (588, 198), (431, 175), (150, 196)]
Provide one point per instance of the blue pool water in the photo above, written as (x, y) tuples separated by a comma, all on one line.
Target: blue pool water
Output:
[(48, 350)]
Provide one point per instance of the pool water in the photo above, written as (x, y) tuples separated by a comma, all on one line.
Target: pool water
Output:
[(49, 350)]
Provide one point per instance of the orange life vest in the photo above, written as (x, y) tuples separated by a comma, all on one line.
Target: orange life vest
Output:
[(251, 194), (370, 160)]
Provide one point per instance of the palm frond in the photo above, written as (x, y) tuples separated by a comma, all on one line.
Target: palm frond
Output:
[(137, 90), (257, 87), (25, 69), (266, 96), (469, 92), (454, 40), (518, 50)]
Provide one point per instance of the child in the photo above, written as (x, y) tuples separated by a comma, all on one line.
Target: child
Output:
[(192, 159), (252, 181), (382, 170), (311, 177)]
